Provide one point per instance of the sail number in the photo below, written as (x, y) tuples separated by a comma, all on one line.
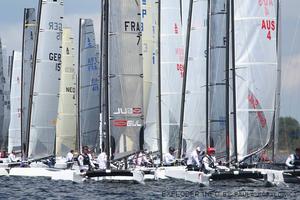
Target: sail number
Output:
[(56, 57), (56, 26)]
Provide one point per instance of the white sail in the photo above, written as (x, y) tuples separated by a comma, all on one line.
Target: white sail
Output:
[(4, 133), (150, 68), (66, 119), (256, 72), (172, 58), (46, 76), (217, 78), (14, 133), (126, 76), (194, 129), (29, 37), (89, 86)]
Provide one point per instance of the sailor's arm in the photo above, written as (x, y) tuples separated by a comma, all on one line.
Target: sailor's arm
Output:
[(80, 160), (290, 161)]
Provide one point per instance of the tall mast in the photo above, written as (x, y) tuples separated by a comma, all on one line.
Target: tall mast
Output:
[(78, 91), (278, 87), (231, 8), (207, 72), (105, 19), (159, 83), (227, 80), (188, 31), (22, 82), (33, 76)]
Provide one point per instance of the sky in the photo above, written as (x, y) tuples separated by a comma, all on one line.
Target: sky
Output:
[(11, 17)]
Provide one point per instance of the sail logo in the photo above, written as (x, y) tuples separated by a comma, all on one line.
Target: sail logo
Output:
[(126, 123), (255, 104), (266, 4), (269, 26), (128, 111)]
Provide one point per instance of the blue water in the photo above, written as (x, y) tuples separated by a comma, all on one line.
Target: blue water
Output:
[(43, 188)]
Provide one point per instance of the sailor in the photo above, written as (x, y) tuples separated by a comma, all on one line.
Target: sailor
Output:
[(70, 159), (12, 157), (293, 161), (84, 160), (169, 158), (264, 157), (209, 160), (102, 160), (140, 159), (194, 161)]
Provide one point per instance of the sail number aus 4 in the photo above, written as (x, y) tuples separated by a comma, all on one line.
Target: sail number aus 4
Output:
[(269, 26)]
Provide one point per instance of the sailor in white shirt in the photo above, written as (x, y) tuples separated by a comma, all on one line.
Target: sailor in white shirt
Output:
[(102, 160), (293, 161), (209, 160), (70, 157), (195, 159), (84, 160), (12, 157), (169, 158)]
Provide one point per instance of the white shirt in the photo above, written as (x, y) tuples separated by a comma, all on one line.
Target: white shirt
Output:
[(169, 159), (12, 158), (69, 157), (102, 160), (290, 160), (207, 161), (195, 159)]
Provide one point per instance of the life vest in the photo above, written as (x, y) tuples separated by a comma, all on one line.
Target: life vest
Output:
[(86, 159), (297, 160)]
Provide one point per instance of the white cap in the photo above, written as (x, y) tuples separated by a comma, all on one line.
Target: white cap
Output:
[(198, 149)]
